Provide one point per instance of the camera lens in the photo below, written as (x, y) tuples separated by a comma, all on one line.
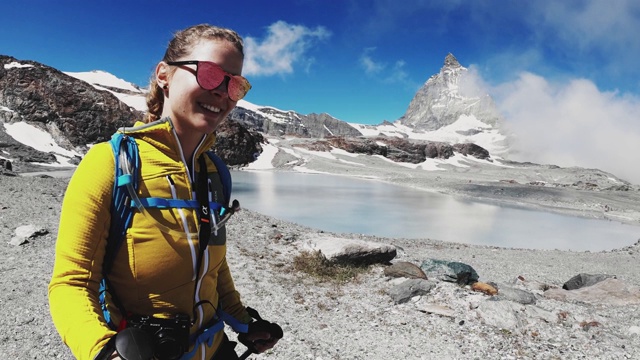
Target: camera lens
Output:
[(167, 347)]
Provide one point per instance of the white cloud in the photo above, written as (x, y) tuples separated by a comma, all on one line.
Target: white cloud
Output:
[(370, 65), (283, 46), (395, 73), (572, 124)]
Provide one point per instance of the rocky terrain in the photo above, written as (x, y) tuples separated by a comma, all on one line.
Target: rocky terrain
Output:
[(384, 311)]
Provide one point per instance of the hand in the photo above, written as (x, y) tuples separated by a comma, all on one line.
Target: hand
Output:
[(262, 336), (261, 341)]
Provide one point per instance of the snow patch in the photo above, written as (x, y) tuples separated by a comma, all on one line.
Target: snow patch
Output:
[(98, 77), (15, 64), (40, 140), (265, 160)]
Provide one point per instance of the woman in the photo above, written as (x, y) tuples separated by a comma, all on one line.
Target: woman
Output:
[(159, 273)]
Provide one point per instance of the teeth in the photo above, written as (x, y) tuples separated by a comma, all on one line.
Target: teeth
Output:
[(210, 108)]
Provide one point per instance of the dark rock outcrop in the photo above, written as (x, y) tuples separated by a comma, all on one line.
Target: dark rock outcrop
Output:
[(236, 144), (472, 149), (72, 111), (76, 114), (397, 149)]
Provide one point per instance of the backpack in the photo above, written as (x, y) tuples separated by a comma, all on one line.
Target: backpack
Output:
[(127, 165)]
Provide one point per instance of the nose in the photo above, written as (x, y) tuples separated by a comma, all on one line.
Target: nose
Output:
[(223, 88)]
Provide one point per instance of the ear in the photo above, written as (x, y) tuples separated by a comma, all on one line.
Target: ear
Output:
[(162, 74)]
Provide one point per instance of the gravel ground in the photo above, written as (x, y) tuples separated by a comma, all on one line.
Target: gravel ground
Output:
[(357, 319)]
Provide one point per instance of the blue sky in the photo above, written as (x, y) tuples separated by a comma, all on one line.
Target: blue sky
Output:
[(549, 64)]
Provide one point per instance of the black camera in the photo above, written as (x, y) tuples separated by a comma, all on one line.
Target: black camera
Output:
[(170, 337)]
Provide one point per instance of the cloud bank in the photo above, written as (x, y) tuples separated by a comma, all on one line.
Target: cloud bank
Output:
[(572, 124)]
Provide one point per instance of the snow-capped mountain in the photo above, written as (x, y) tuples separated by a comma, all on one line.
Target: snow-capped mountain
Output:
[(441, 111), (462, 124), (448, 109), (447, 96), (53, 120)]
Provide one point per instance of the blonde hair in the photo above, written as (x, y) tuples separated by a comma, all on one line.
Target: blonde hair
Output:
[(182, 43)]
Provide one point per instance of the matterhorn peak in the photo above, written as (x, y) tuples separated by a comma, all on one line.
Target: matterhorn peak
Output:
[(440, 101), (451, 61)]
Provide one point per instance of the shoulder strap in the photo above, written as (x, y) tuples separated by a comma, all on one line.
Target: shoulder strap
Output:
[(225, 176), (127, 164)]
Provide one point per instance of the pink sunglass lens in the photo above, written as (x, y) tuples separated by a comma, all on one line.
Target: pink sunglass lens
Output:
[(210, 76)]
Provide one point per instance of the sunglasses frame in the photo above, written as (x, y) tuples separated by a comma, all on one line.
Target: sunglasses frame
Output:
[(238, 82)]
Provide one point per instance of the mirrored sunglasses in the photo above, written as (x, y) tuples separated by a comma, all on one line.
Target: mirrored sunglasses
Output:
[(210, 75)]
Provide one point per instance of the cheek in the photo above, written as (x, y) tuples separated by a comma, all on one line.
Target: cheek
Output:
[(182, 101)]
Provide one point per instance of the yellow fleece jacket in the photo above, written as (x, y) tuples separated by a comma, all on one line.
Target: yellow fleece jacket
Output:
[(154, 272)]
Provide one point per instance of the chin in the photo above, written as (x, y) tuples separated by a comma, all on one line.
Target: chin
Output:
[(211, 127)]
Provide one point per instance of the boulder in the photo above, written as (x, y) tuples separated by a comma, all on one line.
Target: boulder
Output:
[(26, 232), (500, 314), (404, 291), (450, 271), (510, 315), (582, 280), (607, 292), (352, 251), (405, 269), (516, 295)]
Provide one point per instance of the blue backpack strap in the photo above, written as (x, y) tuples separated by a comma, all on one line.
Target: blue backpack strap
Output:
[(207, 334), (125, 151), (225, 176), (121, 212)]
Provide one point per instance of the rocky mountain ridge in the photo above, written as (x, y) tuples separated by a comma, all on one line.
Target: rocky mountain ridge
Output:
[(77, 113), (80, 109)]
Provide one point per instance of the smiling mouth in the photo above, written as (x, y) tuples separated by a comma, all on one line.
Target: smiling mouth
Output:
[(211, 108)]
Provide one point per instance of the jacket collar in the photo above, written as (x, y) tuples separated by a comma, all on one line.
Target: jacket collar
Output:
[(162, 135)]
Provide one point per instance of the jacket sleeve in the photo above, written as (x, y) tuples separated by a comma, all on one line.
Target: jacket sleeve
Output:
[(80, 249), (229, 296)]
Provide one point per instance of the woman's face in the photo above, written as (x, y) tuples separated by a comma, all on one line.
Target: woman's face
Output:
[(193, 110)]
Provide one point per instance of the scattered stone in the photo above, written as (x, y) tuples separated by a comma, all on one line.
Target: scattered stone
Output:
[(25, 233), (404, 291), (516, 295), (531, 285), (582, 280), (352, 251), (405, 269), (586, 325), (484, 288), (450, 271), (607, 292), (441, 310)]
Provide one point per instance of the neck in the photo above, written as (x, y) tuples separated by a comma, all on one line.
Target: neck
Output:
[(188, 145), (189, 140)]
